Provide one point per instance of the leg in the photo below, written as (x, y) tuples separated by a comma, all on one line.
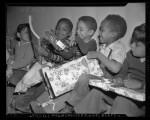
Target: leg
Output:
[(125, 106), (94, 102), (9, 97), (81, 89), (16, 76), (23, 101)]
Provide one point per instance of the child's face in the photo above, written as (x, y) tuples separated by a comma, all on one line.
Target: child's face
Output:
[(62, 30), (105, 33), (138, 49), (24, 35), (82, 30)]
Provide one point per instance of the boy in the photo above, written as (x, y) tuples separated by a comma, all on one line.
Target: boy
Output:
[(111, 56), (134, 68), (62, 32)]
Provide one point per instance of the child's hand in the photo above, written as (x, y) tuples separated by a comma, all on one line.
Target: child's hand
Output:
[(42, 52), (92, 54), (132, 83), (118, 80)]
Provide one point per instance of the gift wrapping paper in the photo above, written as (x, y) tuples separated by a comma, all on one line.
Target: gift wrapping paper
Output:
[(106, 85), (64, 77)]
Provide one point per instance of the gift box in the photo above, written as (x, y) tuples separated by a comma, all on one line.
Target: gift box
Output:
[(105, 84), (63, 78)]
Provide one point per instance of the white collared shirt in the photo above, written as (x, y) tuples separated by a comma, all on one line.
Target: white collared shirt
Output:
[(115, 51)]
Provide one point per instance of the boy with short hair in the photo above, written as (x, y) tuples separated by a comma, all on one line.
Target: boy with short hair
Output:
[(111, 56), (62, 32)]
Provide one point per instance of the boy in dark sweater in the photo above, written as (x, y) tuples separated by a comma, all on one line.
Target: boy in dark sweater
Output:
[(132, 75)]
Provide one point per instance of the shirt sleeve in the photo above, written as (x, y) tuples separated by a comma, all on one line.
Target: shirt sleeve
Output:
[(55, 57), (26, 60), (66, 55), (124, 69), (119, 55)]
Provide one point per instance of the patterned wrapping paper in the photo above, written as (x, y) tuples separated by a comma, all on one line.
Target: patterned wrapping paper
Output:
[(106, 85), (63, 78)]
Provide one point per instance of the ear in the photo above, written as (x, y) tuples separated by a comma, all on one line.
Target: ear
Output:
[(70, 33), (91, 32), (114, 34), (18, 34)]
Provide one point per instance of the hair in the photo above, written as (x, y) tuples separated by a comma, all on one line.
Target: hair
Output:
[(22, 27), (89, 21), (138, 34), (67, 21), (117, 24)]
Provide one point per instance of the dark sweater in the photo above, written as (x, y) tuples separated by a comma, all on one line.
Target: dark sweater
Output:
[(133, 66)]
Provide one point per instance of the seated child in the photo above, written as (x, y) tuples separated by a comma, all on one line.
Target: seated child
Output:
[(111, 56), (131, 75), (62, 32), (24, 55)]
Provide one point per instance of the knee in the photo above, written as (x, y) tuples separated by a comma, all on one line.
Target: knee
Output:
[(82, 77), (97, 92)]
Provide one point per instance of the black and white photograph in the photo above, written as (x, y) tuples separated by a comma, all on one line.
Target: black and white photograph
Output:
[(76, 60)]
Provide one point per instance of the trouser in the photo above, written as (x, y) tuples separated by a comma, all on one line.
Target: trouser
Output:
[(21, 102), (96, 102), (81, 89), (122, 105), (16, 76)]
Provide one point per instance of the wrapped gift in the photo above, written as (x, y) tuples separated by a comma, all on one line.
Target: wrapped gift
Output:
[(63, 78), (105, 84)]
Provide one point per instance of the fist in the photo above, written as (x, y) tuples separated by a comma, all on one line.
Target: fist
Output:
[(92, 54), (132, 84)]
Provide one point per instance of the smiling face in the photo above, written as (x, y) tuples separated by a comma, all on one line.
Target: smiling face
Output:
[(138, 49), (24, 34), (83, 31), (62, 31), (105, 34)]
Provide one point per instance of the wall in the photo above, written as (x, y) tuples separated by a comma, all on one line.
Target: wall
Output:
[(45, 18)]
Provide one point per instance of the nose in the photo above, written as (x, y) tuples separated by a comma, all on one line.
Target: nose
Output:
[(77, 32), (132, 45)]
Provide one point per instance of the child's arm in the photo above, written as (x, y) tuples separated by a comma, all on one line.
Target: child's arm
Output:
[(54, 57), (26, 60), (112, 65), (77, 53)]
